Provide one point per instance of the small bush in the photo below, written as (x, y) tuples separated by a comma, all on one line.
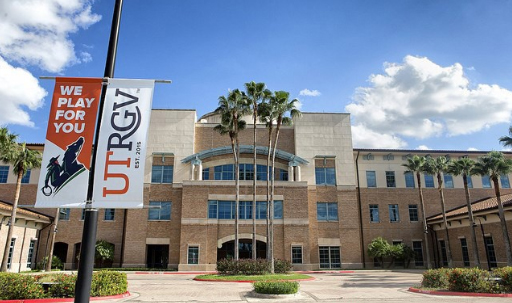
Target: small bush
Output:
[(436, 278), (15, 286), (282, 266), (64, 286), (108, 283), (56, 263), (247, 267), (472, 280), (276, 287), (505, 273)]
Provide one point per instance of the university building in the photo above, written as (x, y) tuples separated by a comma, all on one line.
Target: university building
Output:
[(331, 201)]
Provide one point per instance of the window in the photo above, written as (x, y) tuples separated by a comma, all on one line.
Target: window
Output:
[(491, 254), (11, 252), (161, 174), (409, 179), (390, 179), (226, 210), (470, 182), (64, 214), (83, 215), (371, 181), (159, 211), (418, 253), (325, 175), (393, 213), (4, 172), (388, 157), (193, 255), (206, 174), (109, 214), (283, 175), (442, 245), (330, 257), (374, 213), (448, 181), (26, 177), (261, 172), (296, 254), (486, 182), (504, 181), (224, 172), (413, 212), (429, 180), (327, 211), (465, 252), (30, 255), (368, 157), (246, 171)]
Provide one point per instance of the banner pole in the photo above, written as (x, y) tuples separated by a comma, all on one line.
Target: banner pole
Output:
[(86, 262)]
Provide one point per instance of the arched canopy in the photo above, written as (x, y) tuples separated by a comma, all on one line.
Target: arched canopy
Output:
[(244, 149)]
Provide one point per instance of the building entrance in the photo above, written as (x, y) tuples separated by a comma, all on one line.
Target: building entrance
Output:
[(157, 256), (245, 249)]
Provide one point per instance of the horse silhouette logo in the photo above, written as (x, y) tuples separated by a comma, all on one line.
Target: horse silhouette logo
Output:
[(58, 175)]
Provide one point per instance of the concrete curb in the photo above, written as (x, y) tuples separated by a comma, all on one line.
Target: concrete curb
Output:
[(250, 281), (53, 300), (455, 293)]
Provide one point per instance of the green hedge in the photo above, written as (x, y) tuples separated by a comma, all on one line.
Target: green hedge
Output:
[(21, 286), (276, 287), (469, 279), (505, 274), (249, 267), (436, 278)]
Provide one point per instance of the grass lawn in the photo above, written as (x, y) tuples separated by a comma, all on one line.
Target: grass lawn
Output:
[(268, 277)]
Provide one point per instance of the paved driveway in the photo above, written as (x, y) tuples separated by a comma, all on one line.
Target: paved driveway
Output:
[(360, 286)]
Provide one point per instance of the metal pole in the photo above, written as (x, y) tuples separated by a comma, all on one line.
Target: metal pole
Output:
[(86, 263)]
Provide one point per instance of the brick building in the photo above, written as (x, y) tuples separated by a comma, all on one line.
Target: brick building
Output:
[(331, 199)]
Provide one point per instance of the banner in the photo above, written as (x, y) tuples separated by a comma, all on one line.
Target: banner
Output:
[(68, 146), (121, 154)]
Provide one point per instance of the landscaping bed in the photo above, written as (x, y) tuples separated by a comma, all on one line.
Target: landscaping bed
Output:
[(254, 278)]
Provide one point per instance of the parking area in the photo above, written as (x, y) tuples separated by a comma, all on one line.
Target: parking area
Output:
[(359, 286)]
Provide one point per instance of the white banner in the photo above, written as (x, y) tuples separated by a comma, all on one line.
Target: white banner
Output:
[(122, 144)]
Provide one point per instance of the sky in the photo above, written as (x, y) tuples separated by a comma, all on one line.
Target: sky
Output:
[(424, 74)]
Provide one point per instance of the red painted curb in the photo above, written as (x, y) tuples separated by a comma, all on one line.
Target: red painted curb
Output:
[(174, 272), (455, 293), (326, 272), (248, 281), (53, 300)]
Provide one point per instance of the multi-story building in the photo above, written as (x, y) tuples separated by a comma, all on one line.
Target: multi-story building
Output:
[(331, 200)]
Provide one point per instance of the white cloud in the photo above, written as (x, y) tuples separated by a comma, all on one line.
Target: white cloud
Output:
[(37, 32), (309, 93), (363, 137), (85, 57), (472, 149), (420, 99), (423, 147), (18, 90)]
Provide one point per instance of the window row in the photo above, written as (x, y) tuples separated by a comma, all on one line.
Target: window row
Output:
[(394, 213), (226, 209), (4, 173), (158, 211), (371, 180)]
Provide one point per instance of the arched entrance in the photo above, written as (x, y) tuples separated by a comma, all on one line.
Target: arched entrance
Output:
[(227, 250)]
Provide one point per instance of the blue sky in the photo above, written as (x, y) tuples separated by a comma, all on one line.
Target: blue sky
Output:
[(413, 74)]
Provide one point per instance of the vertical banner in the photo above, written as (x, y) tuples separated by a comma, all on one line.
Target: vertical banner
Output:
[(122, 144), (68, 146)]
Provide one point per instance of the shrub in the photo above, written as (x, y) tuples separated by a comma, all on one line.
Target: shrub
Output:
[(15, 286), (226, 267), (104, 251), (471, 280), (242, 267), (56, 263), (276, 287), (64, 286), (108, 283), (282, 266), (436, 278), (505, 273)]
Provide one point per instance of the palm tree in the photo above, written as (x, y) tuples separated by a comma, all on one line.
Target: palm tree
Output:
[(415, 165), (232, 108), (437, 167), (494, 164), (255, 92), (507, 140), (282, 107), (22, 159), (464, 167)]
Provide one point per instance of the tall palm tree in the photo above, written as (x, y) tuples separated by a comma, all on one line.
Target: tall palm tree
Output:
[(507, 140), (415, 165), (285, 110), (232, 108), (255, 92), (438, 166), (22, 159), (464, 167), (494, 164)]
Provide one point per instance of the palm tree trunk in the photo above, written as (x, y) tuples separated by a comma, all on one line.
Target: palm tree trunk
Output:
[(504, 229), (471, 222), (272, 268), (254, 251), (443, 210), (268, 190), (235, 158), (52, 242), (13, 221), (425, 228)]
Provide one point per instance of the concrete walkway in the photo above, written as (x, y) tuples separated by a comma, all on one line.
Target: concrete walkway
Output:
[(360, 286)]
